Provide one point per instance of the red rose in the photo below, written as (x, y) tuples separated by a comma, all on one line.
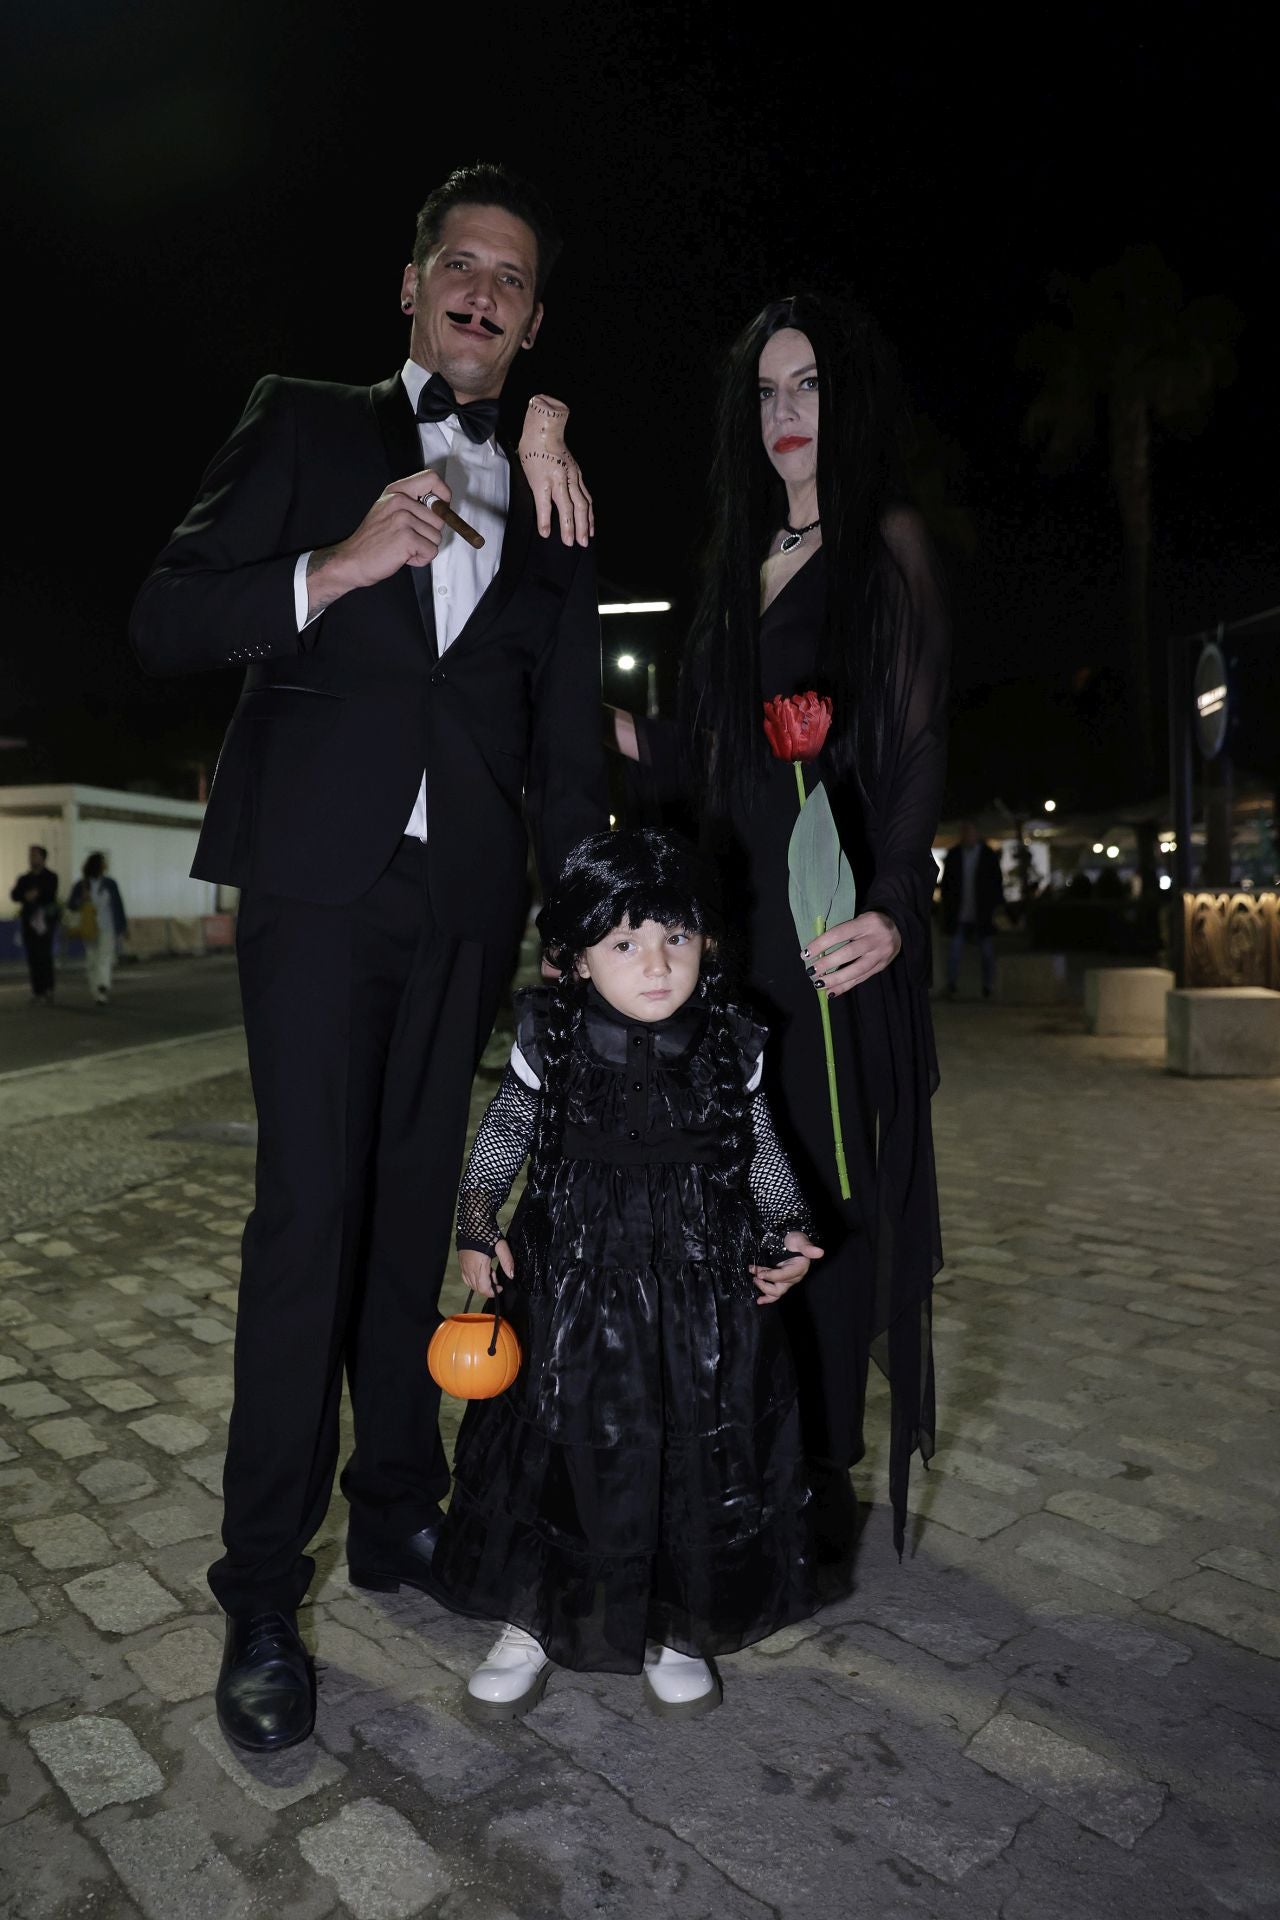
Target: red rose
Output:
[(796, 726)]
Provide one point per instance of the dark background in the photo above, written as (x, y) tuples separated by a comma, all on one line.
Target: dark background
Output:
[(201, 195)]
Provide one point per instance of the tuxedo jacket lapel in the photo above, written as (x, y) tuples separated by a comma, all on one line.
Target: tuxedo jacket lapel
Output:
[(399, 432)]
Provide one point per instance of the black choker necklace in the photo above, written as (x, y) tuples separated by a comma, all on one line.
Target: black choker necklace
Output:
[(794, 535)]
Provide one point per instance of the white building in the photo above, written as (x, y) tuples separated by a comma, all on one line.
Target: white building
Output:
[(149, 845)]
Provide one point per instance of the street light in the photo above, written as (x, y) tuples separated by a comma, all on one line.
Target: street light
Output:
[(626, 662), (1051, 806), (1098, 847), (1113, 853)]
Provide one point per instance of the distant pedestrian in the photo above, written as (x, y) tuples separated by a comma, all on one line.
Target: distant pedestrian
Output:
[(36, 892), (972, 891), (95, 898)]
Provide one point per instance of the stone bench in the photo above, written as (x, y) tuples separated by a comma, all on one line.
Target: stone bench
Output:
[(1223, 1030), (1126, 1000), (1032, 979)]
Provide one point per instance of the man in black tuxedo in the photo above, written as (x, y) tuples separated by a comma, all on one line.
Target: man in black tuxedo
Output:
[(413, 709)]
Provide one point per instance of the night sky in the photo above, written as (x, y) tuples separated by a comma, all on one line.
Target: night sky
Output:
[(207, 194)]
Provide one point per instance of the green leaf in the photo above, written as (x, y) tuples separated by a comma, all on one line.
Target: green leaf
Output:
[(820, 886)]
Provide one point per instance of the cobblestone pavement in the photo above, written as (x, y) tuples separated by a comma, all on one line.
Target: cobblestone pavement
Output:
[(1062, 1705)]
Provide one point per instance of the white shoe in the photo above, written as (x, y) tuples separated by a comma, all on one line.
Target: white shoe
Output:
[(678, 1685), (510, 1679)]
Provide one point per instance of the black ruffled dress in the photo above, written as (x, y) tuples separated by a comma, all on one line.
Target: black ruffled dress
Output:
[(643, 1479)]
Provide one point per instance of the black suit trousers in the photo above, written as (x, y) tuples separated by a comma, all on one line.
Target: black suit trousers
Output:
[(365, 1024), (39, 948)]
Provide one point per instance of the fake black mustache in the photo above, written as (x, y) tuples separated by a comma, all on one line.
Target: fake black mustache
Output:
[(464, 320)]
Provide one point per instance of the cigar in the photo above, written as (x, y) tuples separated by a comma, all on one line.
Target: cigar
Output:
[(452, 519)]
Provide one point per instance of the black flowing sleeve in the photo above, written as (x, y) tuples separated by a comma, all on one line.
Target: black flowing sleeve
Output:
[(499, 1150), (908, 799)]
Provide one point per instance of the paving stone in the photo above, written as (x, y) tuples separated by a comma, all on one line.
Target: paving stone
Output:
[(41, 1336), (23, 1493), (27, 1399), (10, 1368), (112, 1481), (1116, 1517), (993, 1476), (1203, 1501), (949, 1504), (15, 1608), (1166, 1453), (380, 1867), (70, 1439), (1245, 1563), (276, 1780), (1104, 1567), (48, 1871), (1048, 1455), (121, 1599), (35, 1672), (170, 1432), (1091, 1789), (167, 1357), (180, 1665), (174, 1870), (1225, 1606), (70, 1540), (207, 1469), (1152, 1653), (214, 1333), (119, 1396), (166, 1526), (205, 1393), (450, 1762), (88, 1364), (98, 1762)]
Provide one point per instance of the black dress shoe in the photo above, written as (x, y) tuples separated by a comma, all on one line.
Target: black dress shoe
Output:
[(380, 1567), (267, 1687)]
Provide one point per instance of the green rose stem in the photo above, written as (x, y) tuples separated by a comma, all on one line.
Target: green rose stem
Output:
[(824, 1008)]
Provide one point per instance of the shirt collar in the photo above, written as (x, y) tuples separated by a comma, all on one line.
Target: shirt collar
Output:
[(611, 1032), (414, 378)]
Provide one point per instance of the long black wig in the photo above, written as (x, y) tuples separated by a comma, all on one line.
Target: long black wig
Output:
[(860, 443), (621, 878)]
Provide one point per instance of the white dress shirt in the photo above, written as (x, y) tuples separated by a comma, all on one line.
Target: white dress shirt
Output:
[(479, 482)]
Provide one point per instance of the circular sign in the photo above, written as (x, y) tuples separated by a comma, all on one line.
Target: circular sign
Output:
[(1211, 699)]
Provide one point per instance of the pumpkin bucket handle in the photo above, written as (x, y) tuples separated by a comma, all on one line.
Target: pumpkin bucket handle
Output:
[(497, 1321)]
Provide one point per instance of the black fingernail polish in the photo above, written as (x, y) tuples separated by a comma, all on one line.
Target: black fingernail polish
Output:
[(811, 971)]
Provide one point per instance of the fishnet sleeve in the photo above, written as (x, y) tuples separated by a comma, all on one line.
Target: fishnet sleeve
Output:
[(780, 1206), (503, 1139)]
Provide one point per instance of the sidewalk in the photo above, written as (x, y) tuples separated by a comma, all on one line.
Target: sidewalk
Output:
[(1061, 1706)]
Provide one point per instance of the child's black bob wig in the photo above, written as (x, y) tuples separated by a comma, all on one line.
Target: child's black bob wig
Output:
[(623, 877), (618, 878)]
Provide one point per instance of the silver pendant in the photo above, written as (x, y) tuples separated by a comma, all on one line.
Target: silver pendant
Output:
[(789, 542)]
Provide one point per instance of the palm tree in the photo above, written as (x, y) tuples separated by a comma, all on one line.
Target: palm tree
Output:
[(1135, 348)]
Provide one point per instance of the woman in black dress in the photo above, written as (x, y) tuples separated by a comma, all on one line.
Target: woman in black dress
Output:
[(819, 577)]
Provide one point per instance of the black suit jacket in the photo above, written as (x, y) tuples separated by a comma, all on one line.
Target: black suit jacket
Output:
[(321, 763), (988, 887)]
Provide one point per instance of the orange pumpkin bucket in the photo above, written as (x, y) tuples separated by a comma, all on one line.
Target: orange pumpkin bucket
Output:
[(473, 1356)]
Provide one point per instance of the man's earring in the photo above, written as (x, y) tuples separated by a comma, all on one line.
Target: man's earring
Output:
[(407, 306)]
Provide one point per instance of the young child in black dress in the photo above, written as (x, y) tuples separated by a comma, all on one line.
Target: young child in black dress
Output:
[(637, 1500)]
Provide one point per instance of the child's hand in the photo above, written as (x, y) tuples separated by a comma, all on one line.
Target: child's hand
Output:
[(773, 1282), (477, 1268)]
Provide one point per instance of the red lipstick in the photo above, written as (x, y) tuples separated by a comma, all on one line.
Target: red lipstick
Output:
[(790, 441)]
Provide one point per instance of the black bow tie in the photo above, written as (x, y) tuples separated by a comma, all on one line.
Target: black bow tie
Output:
[(478, 418)]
